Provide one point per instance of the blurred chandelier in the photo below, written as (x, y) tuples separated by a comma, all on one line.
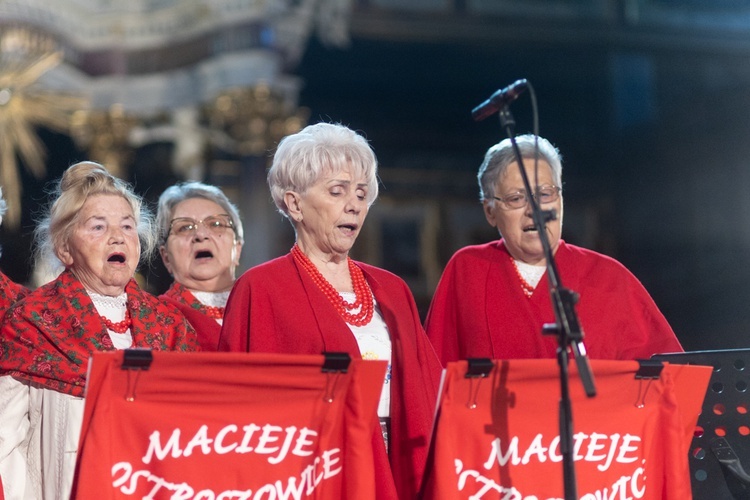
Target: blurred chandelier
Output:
[(255, 118), (24, 57)]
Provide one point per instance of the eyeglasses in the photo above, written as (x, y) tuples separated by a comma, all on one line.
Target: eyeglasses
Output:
[(545, 194), (187, 227)]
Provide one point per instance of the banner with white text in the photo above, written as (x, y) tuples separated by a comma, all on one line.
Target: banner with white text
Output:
[(498, 437), (228, 426)]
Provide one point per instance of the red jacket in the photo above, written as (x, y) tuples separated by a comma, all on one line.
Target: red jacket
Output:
[(276, 307)]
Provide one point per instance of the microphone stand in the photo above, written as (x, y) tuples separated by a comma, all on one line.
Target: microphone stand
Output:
[(567, 328)]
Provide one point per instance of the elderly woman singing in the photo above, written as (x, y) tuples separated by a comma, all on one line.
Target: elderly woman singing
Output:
[(200, 240), (95, 228), (493, 299), (316, 298)]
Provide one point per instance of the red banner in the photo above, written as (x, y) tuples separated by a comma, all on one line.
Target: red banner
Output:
[(228, 426), (498, 437)]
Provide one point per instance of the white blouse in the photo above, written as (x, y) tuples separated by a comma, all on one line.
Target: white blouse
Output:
[(375, 343)]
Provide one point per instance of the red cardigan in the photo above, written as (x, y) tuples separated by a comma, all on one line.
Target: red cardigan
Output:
[(276, 307), (480, 311)]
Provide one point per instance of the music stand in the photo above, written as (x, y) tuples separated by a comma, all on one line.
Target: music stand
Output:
[(721, 444), (228, 425), (496, 434)]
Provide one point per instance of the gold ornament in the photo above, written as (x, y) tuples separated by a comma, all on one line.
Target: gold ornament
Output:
[(256, 118), (24, 57), (104, 134)]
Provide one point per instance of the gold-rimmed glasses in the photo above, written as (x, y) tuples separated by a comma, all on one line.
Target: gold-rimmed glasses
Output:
[(519, 199), (187, 227)]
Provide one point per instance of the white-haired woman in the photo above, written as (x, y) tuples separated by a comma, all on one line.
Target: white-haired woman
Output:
[(316, 298), (493, 299), (95, 229)]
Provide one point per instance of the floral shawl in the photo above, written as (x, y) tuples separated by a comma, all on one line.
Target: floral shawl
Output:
[(48, 337), (207, 328), (10, 293)]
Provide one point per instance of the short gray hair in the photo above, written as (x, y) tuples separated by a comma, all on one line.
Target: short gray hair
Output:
[(499, 156), (302, 158), (178, 193)]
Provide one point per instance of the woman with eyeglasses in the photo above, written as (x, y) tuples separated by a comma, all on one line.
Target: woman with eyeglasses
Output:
[(200, 244), (493, 299)]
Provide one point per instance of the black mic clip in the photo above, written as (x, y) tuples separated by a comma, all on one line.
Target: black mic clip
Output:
[(499, 100)]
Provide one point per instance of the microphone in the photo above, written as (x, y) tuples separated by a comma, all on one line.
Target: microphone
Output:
[(499, 99)]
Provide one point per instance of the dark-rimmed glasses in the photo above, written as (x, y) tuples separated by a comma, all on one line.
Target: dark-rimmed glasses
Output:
[(519, 199), (187, 227)]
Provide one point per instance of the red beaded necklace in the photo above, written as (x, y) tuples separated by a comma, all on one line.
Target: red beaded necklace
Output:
[(361, 290), (119, 327), (528, 290), (214, 312)]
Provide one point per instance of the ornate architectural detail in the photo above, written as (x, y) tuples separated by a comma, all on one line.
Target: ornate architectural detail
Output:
[(167, 34), (205, 75), (242, 122), (25, 56), (104, 134), (255, 118)]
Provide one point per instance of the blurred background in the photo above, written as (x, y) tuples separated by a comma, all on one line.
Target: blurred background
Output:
[(647, 100)]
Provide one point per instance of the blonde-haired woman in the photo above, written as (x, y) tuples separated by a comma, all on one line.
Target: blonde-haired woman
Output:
[(94, 231)]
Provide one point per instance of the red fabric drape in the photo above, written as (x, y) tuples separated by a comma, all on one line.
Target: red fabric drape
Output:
[(228, 422), (630, 441)]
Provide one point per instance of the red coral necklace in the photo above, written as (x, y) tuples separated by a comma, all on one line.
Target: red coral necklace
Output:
[(212, 311), (361, 290), (119, 327), (528, 290)]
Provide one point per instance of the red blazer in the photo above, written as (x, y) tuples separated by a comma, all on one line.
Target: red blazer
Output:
[(276, 307), (480, 311)]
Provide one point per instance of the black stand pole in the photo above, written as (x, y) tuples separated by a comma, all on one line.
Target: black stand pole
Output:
[(567, 327)]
